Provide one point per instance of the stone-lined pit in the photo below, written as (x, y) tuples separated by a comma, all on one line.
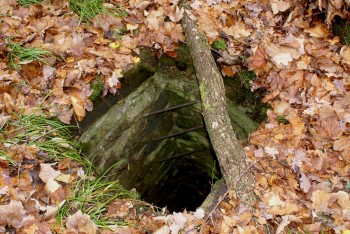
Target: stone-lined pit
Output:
[(166, 156)]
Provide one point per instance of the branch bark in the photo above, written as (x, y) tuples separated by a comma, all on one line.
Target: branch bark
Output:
[(229, 152)]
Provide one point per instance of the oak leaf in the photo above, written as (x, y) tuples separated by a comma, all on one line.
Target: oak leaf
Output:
[(176, 15), (81, 223)]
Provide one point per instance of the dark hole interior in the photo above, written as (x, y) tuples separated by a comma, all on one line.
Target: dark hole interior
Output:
[(164, 150), (185, 166)]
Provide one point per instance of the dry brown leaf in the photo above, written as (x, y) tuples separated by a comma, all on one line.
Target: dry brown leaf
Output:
[(320, 200), (155, 19), (319, 31), (81, 223), (282, 56), (47, 172), (345, 54), (305, 183), (177, 15), (342, 198), (259, 58), (78, 105), (12, 214), (279, 6), (51, 185)]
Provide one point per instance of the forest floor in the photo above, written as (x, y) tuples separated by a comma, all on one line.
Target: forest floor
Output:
[(55, 53)]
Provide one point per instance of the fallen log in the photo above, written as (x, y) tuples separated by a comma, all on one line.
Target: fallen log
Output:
[(229, 152)]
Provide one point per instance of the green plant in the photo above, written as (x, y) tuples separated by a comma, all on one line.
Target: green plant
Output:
[(50, 136), (246, 77), (88, 9), (52, 139), (281, 119), (219, 44), (92, 194), (28, 2), (20, 53)]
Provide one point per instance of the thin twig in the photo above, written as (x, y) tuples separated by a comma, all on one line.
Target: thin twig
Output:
[(172, 108), (179, 133), (180, 155), (217, 204)]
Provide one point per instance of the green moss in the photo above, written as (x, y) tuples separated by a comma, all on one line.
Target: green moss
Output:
[(341, 28), (219, 44), (246, 77), (184, 59), (96, 88), (204, 96), (238, 90)]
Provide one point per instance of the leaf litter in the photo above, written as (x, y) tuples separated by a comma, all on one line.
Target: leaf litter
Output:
[(301, 165)]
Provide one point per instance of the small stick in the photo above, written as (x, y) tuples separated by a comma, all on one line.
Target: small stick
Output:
[(171, 108), (179, 133), (228, 189)]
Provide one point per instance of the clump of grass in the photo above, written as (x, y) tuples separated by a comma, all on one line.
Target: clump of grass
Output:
[(28, 2), (91, 195), (88, 9), (20, 53), (50, 136)]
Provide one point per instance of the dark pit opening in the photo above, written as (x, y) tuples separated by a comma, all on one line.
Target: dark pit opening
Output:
[(153, 138), (186, 186), (185, 166), (176, 165)]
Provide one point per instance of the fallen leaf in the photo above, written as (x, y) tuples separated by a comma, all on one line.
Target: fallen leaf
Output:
[(51, 185), (81, 223), (279, 6), (319, 31), (178, 222), (177, 15), (78, 105), (305, 183), (345, 54), (259, 58), (12, 214), (320, 199), (47, 172), (342, 198)]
